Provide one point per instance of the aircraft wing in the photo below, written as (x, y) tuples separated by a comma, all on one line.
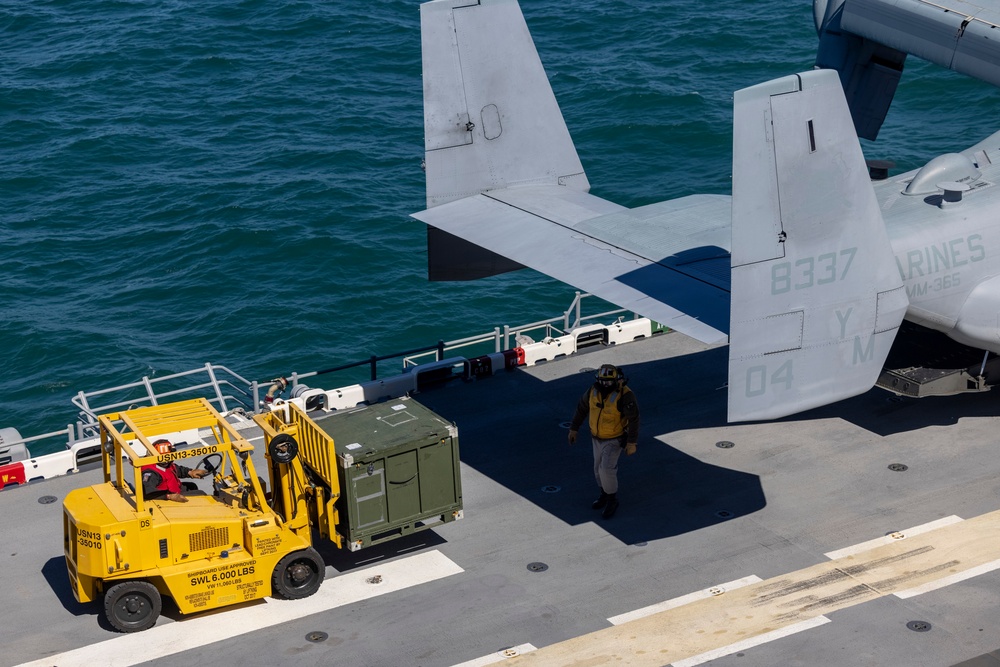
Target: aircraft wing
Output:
[(674, 252), (867, 41), (957, 34)]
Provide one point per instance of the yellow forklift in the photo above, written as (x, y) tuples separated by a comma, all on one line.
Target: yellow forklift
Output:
[(247, 538)]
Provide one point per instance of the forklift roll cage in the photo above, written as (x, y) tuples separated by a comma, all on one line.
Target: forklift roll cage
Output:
[(147, 425)]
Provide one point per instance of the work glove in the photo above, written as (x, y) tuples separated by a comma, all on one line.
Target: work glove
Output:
[(630, 449), (572, 437)]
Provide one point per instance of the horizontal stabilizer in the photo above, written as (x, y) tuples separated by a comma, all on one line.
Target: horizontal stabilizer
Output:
[(667, 261), (450, 257), (503, 174)]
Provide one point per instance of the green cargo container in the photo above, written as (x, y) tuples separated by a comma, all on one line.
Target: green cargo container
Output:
[(398, 467)]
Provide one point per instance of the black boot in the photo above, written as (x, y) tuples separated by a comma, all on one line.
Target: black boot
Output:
[(600, 502), (609, 511)]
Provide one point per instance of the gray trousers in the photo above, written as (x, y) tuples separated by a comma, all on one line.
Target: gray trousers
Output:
[(606, 453)]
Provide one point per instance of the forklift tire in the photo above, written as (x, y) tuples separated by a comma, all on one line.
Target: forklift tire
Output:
[(132, 606), (283, 448), (298, 575)]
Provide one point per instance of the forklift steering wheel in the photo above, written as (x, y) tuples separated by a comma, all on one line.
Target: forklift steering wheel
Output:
[(206, 463)]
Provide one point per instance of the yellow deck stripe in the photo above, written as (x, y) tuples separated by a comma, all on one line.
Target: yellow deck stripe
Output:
[(770, 605)]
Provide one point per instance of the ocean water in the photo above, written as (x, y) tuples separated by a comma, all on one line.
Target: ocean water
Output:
[(230, 182)]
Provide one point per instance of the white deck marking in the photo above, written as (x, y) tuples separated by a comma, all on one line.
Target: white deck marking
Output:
[(751, 642), (894, 537), (499, 656), (710, 627), (190, 633), (684, 599), (949, 580)]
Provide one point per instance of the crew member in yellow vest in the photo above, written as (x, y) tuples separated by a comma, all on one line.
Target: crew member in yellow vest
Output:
[(613, 417)]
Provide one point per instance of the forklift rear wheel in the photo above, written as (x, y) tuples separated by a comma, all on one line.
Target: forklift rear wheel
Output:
[(298, 575), (132, 606), (283, 448)]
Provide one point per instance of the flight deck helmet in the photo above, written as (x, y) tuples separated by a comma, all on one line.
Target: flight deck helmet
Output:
[(609, 377), (163, 446)]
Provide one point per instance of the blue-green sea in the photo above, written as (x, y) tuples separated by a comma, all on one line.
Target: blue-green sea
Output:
[(231, 182)]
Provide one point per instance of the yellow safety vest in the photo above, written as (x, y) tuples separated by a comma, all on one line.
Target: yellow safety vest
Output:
[(606, 420)]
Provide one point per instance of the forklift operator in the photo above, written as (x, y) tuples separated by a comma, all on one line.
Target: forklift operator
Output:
[(163, 479)]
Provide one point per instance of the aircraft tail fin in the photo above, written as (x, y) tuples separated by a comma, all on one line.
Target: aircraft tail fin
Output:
[(816, 294), (491, 120)]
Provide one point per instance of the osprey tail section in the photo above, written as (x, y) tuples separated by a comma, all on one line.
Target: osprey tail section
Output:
[(816, 294), (810, 296), (491, 121)]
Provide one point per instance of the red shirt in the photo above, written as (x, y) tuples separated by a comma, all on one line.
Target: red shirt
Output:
[(169, 481)]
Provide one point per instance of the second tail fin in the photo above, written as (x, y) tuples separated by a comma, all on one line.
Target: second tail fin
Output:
[(816, 295)]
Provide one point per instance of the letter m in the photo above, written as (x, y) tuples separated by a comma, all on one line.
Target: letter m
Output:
[(862, 355)]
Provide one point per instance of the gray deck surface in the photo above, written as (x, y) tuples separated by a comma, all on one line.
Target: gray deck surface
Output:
[(792, 490)]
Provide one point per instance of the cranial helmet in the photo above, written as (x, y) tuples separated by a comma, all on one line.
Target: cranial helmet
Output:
[(163, 446), (608, 377)]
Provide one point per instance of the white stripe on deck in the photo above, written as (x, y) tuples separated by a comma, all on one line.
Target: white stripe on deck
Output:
[(751, 642), (893, 537), (948, 551), (190, 633), (499, 656), (949, 580), (684, 599)]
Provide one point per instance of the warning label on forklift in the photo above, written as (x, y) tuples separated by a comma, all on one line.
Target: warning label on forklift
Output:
[(249, 589), (198, 600), (224, 575), (267, 545)]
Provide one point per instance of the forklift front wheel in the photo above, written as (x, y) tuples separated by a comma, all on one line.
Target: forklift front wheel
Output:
[(298, 575), (132, 606), (283, 448)]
